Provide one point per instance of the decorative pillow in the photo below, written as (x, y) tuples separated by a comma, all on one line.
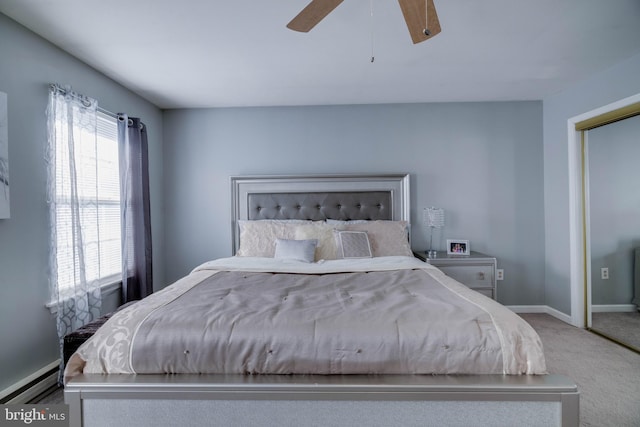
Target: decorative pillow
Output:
[(323, 233), (353, 244), (387, 238), (258, 238), (299, 250)]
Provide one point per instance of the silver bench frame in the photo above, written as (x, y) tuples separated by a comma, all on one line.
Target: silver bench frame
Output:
[(486, 399)]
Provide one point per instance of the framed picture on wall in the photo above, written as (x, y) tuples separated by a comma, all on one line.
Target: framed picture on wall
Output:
[(458, 247)]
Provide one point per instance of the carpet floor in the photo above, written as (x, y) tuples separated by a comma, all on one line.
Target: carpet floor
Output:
[(607, 374), (624, 327)]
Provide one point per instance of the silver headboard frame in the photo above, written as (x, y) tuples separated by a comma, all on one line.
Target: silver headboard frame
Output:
[(300, 189)]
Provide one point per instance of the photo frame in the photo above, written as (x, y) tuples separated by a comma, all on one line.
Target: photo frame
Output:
[(458, 247)]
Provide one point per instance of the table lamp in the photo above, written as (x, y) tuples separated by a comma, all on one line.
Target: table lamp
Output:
[(433, 218)]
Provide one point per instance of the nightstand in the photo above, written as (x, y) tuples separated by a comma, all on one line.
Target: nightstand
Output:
[(477, 271)]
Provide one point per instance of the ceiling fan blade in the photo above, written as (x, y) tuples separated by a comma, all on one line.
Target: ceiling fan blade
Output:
[(414, 16), (312, 14)]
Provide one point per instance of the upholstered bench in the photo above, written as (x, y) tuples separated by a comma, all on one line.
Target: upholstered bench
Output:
[(75, 339)]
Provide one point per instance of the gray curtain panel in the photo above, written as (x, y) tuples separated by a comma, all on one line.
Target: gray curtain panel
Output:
[(137, 280)]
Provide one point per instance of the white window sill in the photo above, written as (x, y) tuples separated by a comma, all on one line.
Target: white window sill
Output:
[(106, 289)]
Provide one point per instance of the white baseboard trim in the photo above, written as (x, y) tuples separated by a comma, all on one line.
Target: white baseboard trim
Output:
[(541, 309), (614, 308), (32, 386)]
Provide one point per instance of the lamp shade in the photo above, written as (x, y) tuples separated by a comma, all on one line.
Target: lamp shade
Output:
[(433, 217)]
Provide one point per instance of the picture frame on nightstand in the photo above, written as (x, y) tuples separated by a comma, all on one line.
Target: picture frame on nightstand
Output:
[(458, 247)]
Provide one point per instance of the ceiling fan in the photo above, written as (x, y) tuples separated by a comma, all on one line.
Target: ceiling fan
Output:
[(420, 15)]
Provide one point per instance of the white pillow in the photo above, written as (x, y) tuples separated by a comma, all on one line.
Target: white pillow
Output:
[(387, 238), (258, 238), (299, 250), (323, 233), (353, 244)]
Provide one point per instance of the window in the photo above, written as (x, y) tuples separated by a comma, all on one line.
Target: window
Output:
[(97, 179)]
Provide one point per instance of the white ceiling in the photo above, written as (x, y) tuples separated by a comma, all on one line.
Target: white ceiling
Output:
[(213, 53)]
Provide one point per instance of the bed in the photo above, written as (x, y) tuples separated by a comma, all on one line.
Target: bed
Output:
[(322, 317)]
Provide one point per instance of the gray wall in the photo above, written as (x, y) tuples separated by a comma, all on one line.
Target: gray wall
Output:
[(613, 84), (481, 162), (499, 170), (614, 205), (28, 65)]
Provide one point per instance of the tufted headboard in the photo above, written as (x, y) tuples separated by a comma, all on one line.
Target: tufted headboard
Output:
[(318, 197)]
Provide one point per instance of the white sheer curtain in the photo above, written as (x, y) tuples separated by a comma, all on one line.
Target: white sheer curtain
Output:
[(71, 153)]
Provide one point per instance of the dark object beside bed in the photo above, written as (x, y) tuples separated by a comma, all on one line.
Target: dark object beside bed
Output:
[(76, 338)]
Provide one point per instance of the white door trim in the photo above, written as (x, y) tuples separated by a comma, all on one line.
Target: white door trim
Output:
[(578, 268)]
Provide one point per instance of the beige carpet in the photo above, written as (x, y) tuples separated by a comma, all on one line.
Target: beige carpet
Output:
[(624, 327), (607, 374)]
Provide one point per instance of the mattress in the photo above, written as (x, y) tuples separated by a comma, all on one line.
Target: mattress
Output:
[(250, 315)]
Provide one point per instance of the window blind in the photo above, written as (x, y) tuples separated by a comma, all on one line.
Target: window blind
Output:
[(98, 187)]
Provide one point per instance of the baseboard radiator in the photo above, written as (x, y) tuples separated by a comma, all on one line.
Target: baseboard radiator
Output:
[(29, 388)]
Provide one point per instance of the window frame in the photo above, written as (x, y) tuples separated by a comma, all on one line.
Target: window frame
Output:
[(113, 282)]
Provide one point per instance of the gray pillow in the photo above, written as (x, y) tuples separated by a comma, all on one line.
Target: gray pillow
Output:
[(353, 244), (299, 250)]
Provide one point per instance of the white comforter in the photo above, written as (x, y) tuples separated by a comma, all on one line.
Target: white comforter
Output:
[(385, 315)]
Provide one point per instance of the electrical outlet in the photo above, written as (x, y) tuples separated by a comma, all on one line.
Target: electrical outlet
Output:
[(500, 274), (604, 273)]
